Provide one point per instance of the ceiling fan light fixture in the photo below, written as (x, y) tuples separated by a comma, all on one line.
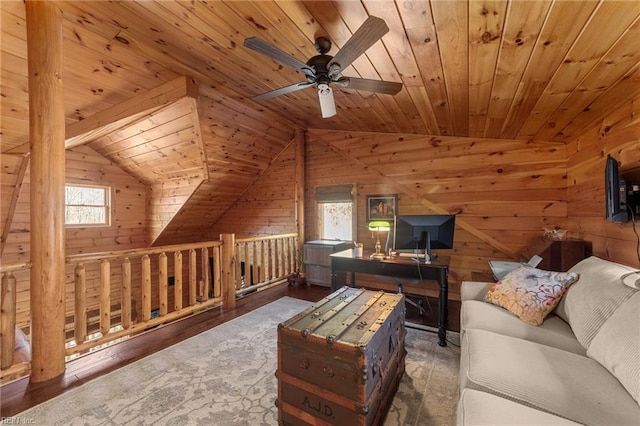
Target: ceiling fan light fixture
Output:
[(327, 103)]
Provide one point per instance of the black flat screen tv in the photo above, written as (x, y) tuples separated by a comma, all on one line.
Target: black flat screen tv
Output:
[(615, 193), (421, 233)]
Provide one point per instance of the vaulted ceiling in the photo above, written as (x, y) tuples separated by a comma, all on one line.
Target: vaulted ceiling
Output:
[(538, 70)]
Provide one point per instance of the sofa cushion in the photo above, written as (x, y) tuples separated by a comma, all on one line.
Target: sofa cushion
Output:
[(553, 380), (530, 293), (481, 408), (617, 345), (473, 290), (590, 302), (485, 316)]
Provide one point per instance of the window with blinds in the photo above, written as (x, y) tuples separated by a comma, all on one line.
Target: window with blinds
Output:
[(335, 212)]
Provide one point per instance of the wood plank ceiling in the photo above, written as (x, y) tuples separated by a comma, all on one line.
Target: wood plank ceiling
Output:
[(528, 70)]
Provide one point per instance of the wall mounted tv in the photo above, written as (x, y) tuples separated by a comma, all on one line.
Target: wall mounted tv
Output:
[(421, 233), (615, 189)]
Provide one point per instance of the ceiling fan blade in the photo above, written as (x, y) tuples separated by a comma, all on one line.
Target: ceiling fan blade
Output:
[(327, 103), (366, 36), (273, 52), (282, 91), (368, 85)]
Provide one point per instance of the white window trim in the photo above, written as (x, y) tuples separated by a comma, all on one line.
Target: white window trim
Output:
[(108, 206)]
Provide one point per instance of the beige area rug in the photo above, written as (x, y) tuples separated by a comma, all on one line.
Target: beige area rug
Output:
[(225, 376)]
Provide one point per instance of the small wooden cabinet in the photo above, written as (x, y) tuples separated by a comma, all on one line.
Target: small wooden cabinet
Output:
[(557, 255), (317, 261)]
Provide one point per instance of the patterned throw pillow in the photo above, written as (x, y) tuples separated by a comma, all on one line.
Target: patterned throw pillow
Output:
[(530, 293)]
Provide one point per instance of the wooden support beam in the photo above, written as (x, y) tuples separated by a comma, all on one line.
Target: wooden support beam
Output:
[(299, 185), (128, 112), (47, 132), (14, 201)]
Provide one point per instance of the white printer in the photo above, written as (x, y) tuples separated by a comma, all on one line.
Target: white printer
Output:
[(501, 268)]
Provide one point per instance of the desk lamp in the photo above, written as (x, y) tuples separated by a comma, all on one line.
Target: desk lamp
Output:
[(377, 226)]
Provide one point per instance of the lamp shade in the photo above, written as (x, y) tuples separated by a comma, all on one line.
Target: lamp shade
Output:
[(379, 225)]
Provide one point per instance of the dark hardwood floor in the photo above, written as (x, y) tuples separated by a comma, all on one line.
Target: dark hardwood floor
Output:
[(20, 395)]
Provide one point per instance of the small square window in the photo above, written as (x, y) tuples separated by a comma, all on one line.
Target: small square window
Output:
[(336, 221), (87, 205)]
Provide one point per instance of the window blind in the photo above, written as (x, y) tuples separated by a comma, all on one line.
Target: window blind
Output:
[(334, 194)]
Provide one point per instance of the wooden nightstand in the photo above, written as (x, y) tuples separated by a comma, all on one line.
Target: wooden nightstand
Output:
[(557, 255)]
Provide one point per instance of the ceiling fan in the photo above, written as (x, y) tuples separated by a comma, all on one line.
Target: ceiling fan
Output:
[(323, 70)]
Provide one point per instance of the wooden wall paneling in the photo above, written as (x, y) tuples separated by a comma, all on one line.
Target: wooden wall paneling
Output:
[(420, 98), (523, 23), (452, 23), (557, 37), (611, 69), (600, 108), (616, 134), (129, 111), (159, 56), (90, 45), (396, 43), (579, 62), (486, 200), (126, 34), (223, 34), (267, 206), (353, 14), (165, 201), (486, 26), (271, 126), (228, 23), (16, 186), (167, 120), (15, 97), (421, 35)]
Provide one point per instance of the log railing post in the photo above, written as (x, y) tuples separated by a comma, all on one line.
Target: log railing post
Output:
[(47, 136), (255, 275), (163, 287), (205, 274), (193, 278), (217, 279), (80, 315), (177, 280), (146, 288), (227, 271), (240, 260), (8, 320), (105, 296), (262, 274), (126, 294)]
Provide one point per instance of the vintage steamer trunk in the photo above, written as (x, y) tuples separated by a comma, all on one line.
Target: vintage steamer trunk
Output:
[(340, 361)]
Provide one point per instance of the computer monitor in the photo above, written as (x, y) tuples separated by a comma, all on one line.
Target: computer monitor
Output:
[(417, 233)]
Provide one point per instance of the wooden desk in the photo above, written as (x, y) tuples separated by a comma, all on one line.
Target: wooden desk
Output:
[(438, 270)]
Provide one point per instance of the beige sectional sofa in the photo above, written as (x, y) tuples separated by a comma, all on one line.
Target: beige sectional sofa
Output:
[(580, 366)]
